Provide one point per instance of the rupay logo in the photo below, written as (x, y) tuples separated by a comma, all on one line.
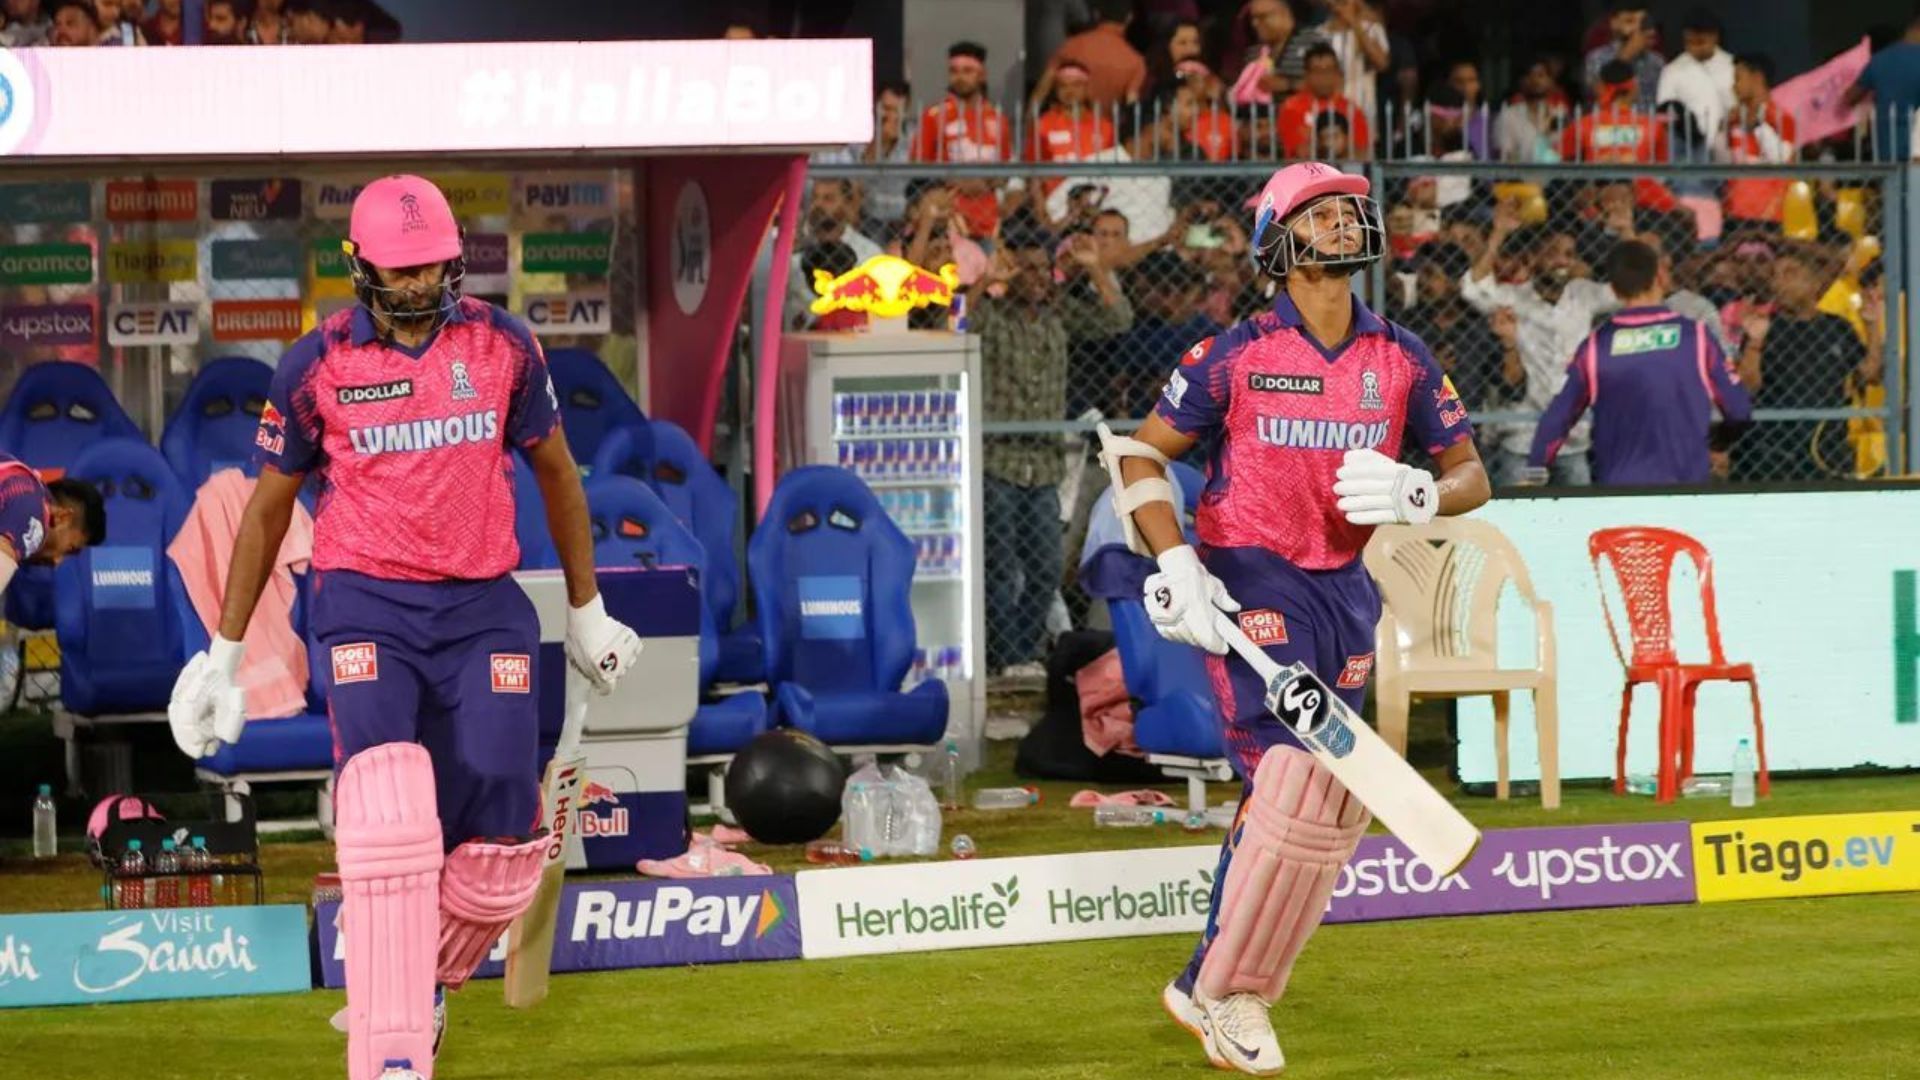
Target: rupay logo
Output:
[(603, 916)]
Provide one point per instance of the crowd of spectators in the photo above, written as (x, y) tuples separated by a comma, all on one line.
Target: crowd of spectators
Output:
[(69, 23)]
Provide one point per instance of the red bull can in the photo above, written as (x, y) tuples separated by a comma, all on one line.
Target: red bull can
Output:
[(957, 313)]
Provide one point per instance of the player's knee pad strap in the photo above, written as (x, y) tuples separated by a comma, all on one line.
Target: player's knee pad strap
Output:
[(1299, 827), (485, 887), (387, 831)]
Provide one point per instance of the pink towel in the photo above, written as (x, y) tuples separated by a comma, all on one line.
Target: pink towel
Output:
[(703, 858), (273, 670), (727, 834), (1106, 710), (1143, 797), (1246, 88)]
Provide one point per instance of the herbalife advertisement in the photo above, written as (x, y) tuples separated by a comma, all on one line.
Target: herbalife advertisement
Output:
[(605, 926), (953, 905), (1815, 589)]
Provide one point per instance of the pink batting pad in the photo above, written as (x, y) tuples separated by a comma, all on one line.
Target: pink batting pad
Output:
[(387, 832), (1295, 832), (486, 886)]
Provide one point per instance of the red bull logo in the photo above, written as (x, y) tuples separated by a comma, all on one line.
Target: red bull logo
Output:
[(614, 822), (595, 794), (884, 287)]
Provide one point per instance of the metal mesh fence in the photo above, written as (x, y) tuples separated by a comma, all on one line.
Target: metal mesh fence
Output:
[(1500, 269)]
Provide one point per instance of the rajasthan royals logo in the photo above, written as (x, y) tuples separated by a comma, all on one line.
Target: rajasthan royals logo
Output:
[(32, 537), (411, 219), (462, 386), (1370, 391)]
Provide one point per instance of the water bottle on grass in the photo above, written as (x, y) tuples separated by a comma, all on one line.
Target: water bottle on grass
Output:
[(45, 837), (1128, 817), (1005, 798), (1743, 770)]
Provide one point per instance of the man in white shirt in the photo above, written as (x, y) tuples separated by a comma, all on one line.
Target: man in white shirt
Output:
[(1701, 78), (1554, 306), (1360, 41), (1145, 198)]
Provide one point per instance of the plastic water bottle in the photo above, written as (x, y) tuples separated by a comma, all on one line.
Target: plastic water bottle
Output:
[(950, 793), (45, 839), (962, 846), (1127, 817), (199, 864), (131, 890), (837, 853), (1642, 784), (859, 827), (1005, 798), (166, 888), (1743, 770)]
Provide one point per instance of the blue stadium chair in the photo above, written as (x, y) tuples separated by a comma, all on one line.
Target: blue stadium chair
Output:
[(703, 502), (57, 409), (624, 451), (215, 425), (832, 577), (118, 607), (593, 404), (1176, 720), (530, 519), (631, 526)]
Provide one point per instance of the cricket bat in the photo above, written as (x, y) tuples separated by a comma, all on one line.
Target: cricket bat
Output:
[(1400, 797), (530, 939)]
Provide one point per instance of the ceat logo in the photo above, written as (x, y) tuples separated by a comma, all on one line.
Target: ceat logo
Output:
[(561, 314), (1264, 626), (512, 673), (359, 662), (1354, 676)]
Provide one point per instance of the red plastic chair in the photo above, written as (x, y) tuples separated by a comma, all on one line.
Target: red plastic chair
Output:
[(1643, 559)]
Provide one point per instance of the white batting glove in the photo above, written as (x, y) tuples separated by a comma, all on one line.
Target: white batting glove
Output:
[(599, 646), (1374, 489), (207, 709), (1182, 599)]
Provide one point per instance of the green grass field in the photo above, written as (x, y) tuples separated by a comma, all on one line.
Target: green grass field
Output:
[(1806, 988)]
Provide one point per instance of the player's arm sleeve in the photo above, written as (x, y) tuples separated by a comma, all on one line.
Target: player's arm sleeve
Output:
[(1194, 400), (1729, 397), (289, 436), (533, 414), (1436, 417), (1565, 411)]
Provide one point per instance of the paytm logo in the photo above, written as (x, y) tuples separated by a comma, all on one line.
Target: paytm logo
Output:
[(122, 577), (831, 608), (566, 195)]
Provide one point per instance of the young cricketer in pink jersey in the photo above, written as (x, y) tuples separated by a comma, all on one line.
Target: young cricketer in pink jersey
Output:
[(407, 409), (1301, 413)]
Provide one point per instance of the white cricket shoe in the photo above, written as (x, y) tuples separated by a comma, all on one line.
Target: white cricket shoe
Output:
[(1179, 1005), (1239, 1034), (399, 1069)]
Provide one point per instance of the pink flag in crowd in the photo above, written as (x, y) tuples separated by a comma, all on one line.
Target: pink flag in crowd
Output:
[(1814, 99)]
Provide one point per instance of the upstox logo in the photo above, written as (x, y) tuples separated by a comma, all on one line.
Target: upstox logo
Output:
[(602, 915), (957, 913), (1175, 899)]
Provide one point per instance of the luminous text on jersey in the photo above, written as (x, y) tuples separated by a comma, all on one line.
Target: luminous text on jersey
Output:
[(1299, 434), (426, 434)]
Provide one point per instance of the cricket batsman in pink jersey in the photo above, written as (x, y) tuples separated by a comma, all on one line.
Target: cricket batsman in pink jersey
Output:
[(407, 407), (1301, 413)]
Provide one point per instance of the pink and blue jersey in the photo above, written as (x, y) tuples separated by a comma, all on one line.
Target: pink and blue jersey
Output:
[(24, 504), (412, 446), (1275, 412)]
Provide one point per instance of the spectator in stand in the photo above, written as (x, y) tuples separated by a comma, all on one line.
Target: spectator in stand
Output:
[(1685, 301), (1664, 378), (1111, 235), (835, 259), (934, 236), (885, 199), (1359, 39), (1463, 76), (966, 127), (1758, 133), (1026, 326), (1183, 43), (268, 24), (1554, 303), (1332, 137), (166, 26), (74, 25), (1798, 357), (1145, 197), (1630, 45), (1480, 354), (349, 22), (27, 25), (307, 22), (1892, 79), (1320, 93), (1166, 294), (1529, 127), (1203, 119), (1275, 65), (1618, 131), (227, 22), (1073, 126), (118, 21), (1116, 72), (1700, 78)]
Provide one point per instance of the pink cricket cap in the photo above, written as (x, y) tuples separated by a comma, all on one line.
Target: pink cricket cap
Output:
[(401, 221), (1301, 183)]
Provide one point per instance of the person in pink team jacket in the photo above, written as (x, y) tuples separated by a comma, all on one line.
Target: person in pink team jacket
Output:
[(407, 408), (1300, 413)]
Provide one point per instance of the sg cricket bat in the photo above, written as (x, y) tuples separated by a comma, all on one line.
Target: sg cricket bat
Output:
[(530, 939), (1419, 816)]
